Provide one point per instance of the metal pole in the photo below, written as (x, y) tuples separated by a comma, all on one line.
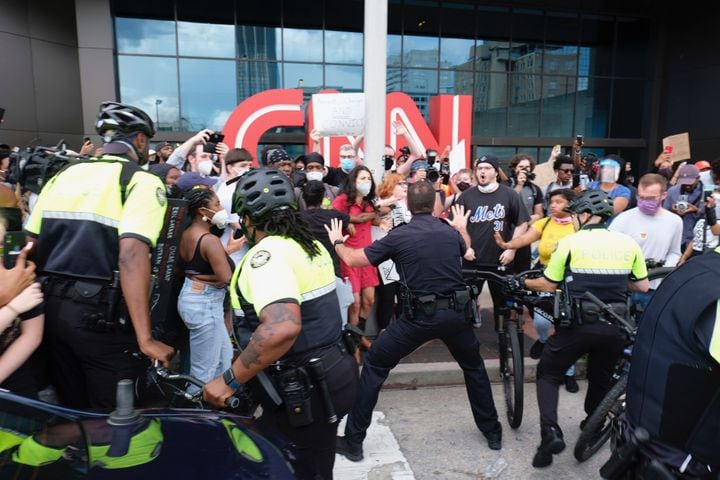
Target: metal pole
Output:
[(374, 83)]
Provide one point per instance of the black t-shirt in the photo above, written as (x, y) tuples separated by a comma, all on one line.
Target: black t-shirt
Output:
[(336, 177), (317, 218), (499, 211), (427, 252)]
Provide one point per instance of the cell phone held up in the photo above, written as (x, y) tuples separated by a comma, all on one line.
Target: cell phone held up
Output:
[(211, 144), (13, 244)]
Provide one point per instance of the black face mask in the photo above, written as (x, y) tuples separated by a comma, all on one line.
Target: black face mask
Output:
[(462, 186)]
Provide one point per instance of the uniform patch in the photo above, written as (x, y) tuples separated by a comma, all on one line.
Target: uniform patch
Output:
[(161, 196), (260, 258)]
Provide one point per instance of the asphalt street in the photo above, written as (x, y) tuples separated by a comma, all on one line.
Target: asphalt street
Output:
[(428, 434)]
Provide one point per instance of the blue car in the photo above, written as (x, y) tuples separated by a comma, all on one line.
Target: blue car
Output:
[(44, 441)]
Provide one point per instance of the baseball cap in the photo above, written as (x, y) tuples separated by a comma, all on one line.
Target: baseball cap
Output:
[(688, 174), (162, 145), (491, 159), (703, 165), (419, 165), (189, 180), (314, 157)]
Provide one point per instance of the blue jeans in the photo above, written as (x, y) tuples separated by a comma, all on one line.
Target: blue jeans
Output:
[(542, 327), (201, 308), (642, 299)]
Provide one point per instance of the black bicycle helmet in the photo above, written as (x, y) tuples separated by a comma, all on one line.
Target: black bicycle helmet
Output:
[(262, 190), (119, 120), (594, 202)]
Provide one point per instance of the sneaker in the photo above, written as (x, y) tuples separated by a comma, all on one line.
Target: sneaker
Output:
[(571, 385), (494, 438), (349, 450), (536, 350), (552, 443)]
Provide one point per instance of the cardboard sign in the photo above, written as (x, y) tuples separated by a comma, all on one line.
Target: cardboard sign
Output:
[(544, 174), (680, 144), (338, 114)]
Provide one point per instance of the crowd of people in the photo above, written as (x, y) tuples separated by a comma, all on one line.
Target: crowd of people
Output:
[(278, 254)]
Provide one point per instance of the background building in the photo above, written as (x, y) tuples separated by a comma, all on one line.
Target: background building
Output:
[(623, 74)]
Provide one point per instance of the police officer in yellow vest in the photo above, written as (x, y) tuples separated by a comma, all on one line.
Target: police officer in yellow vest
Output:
[(286, 288), (93, 227), (606, 264)]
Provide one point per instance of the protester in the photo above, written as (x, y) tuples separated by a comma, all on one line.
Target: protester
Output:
[(208, 270)]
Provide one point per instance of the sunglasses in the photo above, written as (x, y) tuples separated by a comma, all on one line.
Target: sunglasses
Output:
[(566, 170)]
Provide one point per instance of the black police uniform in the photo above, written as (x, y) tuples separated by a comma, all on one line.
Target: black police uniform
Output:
[(432, 272), (601, 262), (673, 389), (79, 219)]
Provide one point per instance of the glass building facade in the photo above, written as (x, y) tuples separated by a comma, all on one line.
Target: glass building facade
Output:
[(537, 76)]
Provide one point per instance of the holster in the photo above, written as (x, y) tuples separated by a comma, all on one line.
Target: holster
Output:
[(426, 304), (295, 388)]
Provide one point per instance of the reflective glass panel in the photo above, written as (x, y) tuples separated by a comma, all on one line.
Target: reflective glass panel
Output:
[(526, 57), (596, 39), (135, 35), (207, 92), (523, 114), (592, 107), (492, 56), (456, 82), (632, 47), (420, 81), (343, 78), (343, 47), (302, 45), (206, 40), (394, 80), (261, 43), (420, 51), (150, 83), (627, 108), (504, 154), (489, 104), (560, 60), (394, 50), (301, 75), (557, 106), (254, 77), (457, 53)]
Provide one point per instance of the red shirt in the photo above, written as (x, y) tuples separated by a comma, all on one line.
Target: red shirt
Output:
[(362, 237)]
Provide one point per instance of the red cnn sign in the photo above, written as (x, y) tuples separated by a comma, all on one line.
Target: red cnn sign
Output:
[(450, 122)]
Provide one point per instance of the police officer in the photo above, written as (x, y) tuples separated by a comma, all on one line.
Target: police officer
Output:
[(673, 389), (285, 286), (601, 262), (435, 302), (93, 227)]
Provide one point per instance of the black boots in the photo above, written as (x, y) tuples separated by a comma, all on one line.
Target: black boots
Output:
[(349, 450), (494, 438), (552, 443)]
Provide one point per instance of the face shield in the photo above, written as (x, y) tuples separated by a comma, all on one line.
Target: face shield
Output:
[(609, 171)]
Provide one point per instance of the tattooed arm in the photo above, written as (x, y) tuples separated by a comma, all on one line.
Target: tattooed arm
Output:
[(280, 325)]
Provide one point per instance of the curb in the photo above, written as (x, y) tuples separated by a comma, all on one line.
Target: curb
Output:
[(413, 375)]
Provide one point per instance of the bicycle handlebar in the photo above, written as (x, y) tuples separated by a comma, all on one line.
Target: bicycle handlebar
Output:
[(659, 272), (168, 375)]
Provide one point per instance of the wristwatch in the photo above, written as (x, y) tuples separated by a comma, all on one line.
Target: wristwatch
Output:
[(230, 380), (339, 241)]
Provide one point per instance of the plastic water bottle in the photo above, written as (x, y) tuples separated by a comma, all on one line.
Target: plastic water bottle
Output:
[(494, 469)]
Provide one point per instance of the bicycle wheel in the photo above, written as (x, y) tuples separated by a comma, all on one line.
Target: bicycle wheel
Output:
[(513, 373), (600, 424)]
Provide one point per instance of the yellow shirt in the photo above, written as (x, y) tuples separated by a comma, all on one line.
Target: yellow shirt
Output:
[(550, 233)]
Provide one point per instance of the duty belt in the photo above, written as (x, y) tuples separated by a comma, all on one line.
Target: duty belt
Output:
[(330, 359), (79, 290)]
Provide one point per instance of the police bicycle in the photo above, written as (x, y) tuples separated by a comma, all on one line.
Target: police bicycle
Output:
[(509, 328), (602, 424)]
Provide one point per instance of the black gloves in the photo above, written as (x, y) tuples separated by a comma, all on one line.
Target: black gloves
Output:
[(514, 285)]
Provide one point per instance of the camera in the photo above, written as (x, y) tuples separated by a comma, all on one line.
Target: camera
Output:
[(405, 150), (432, 174), (212, 142), (681, 205), (445, 168), (530, 176), (431, 156)]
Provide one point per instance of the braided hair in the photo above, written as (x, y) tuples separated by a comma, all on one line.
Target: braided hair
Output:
[(198, 198), (287, 222)]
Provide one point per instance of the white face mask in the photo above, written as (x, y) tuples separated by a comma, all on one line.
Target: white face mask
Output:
[(220, 219), (314, 176), (363, 188), (241, 171), (489, 188), (205, 168)]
